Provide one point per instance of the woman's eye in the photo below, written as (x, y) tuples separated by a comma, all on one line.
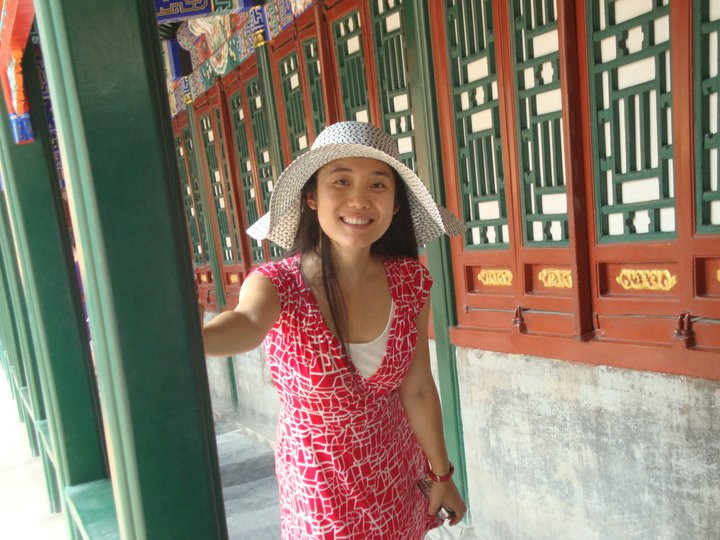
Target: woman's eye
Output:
[(379, 185), (340, 182)]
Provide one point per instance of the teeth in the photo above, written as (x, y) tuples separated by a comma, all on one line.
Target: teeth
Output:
[(355, 221)]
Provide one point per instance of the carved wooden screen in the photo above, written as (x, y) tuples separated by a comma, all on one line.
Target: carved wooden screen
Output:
[(194, 211), (297, 73), (570, 127), (250, 150), (211, 125)]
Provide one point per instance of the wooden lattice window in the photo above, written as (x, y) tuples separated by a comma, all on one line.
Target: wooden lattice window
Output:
[(392, 76), (475, 103), (576, 226), (539, 104), (631, 108), (311, 55), (245, 171), (707, 115), (348, 39)]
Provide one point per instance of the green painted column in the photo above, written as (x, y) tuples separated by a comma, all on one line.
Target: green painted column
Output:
[(24, 354), (429, 164), (9, 334), (107, 88), (62, 342)]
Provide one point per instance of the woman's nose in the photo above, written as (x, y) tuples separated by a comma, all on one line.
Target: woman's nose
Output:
[(358, 199)]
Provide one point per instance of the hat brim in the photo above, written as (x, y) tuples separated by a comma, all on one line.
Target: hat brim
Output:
[(280, 223)]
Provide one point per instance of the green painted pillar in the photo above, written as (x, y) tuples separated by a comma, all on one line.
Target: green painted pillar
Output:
[(429, 163), (107, 88), (9, 336), (24, 354), (62, 342)]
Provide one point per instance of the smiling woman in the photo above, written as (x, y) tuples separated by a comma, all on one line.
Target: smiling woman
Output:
[(355, 200), (360, 426)]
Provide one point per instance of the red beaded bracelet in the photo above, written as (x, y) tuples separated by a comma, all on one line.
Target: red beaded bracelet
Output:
[(444, 478)]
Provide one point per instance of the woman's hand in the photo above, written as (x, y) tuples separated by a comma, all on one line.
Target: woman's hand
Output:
[(446, 494)]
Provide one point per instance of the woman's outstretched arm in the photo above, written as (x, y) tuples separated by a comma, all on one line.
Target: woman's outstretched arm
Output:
[(245, 327), (422, 406)]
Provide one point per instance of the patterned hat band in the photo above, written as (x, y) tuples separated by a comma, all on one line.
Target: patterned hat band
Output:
[(343, 140)]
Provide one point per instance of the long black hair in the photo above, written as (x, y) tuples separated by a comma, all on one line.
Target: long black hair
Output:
[(398, 241)]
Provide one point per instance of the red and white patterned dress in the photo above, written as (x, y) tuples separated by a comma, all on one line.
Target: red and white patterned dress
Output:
[(346, 459)]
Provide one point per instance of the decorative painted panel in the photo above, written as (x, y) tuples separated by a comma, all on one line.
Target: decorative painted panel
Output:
[(225, 218), (351, 65), (259, 123), (631, 110), (394, 91), (312, 61), (539, 117), (473, 77), (242, 149), (707, 115), (294, 108)]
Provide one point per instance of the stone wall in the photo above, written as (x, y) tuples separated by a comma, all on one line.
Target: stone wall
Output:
[(558, 450)]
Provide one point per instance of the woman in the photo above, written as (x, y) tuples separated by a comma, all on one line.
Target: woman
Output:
[(344, 321)]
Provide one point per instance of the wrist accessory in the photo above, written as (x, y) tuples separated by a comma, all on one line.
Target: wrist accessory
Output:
[(437, 478)]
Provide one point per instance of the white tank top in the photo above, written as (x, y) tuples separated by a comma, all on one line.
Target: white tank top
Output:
[(367, 357)]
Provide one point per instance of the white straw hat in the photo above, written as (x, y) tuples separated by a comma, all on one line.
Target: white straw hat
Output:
[(342, 140)]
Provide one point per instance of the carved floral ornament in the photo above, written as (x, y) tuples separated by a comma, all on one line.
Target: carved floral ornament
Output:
[(717, 275), (234, 278), (556, 278), (646, 280), (495, 277)]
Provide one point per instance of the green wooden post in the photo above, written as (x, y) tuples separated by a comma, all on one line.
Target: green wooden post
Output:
[(64, 356), (9, 331), (25, 352), (429, 164), (106, 82)]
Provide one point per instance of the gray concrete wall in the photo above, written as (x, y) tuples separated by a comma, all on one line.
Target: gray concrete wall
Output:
[(558, 450)]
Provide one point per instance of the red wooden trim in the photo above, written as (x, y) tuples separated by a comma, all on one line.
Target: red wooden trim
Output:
[(573, 142), (672, 360), (366, 25), (510, 136), (328, 66), (308, 29), (681, 61)]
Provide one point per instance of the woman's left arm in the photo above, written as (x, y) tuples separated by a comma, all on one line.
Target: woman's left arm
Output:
[(422, 406)]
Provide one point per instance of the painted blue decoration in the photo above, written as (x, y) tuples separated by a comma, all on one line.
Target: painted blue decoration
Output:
[(179, 10), (21, 128)]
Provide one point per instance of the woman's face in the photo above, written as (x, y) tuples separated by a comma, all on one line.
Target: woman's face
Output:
[(355, 200)]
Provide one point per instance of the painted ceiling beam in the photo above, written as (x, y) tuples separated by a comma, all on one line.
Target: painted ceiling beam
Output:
[(16, 20), (180, 10)]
